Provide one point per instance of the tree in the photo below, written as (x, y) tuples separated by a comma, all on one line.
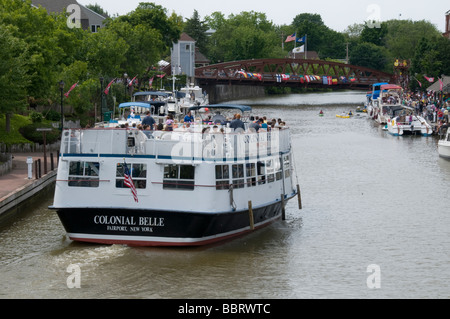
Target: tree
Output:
[(326, 42), (196, 29), (13, 76), (370, 55), (248, 35), (152, 16)]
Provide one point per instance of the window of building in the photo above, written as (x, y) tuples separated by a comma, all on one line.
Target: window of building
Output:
[(188, 47), (222, 177), (138, 174), (179, 177), (95, 28), (84, 174)]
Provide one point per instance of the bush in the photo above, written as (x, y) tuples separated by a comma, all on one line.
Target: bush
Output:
[(53, 116), (30, 133), (36, 117)]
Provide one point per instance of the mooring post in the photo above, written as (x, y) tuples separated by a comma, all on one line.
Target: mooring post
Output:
[(283, 209), (250, 215), (300, 206)]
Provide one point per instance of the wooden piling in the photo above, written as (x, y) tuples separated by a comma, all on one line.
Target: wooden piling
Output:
[(250, 215), (299, 194), (283, 209)]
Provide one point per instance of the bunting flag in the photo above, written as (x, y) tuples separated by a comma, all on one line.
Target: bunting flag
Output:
[(129, 182), (150, 82), (130, 83), (431, 80), (420, 83), (71, 89), (109, 85), (291, 38), (441, 85), (161, 75)]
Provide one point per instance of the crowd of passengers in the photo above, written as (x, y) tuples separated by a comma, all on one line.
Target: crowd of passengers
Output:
[(218, 124)]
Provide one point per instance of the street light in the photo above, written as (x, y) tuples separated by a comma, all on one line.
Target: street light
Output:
[(61, 87), (125, 77), (101, 96)]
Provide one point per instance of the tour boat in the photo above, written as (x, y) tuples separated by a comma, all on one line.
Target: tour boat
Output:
[(196, 185), (444, 146)]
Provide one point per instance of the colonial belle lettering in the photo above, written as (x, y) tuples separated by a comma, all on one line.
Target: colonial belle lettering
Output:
[(128, 221)]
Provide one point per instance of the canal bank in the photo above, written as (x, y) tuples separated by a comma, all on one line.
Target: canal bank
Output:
[(17, 189)]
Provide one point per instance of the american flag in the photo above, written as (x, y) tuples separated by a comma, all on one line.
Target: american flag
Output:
[(129, 182), (291, 38)]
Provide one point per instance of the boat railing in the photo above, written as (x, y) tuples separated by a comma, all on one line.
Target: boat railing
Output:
[(177, 145)]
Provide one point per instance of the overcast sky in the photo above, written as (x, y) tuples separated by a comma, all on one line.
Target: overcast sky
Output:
[(337, 15)]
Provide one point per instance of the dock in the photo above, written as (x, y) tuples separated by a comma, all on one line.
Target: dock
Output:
[(16, 187)]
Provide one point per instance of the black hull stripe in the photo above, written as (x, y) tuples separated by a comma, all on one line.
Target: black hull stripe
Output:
[(156, 228)]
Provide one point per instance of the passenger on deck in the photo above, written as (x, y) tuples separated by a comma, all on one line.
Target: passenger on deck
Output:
[(189, 118), (237, 125), (219, 118), (149, 120)]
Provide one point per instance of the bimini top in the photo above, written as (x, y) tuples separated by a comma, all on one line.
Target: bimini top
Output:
[(146, 105), (391, 87), (155, 93), (242, 108)]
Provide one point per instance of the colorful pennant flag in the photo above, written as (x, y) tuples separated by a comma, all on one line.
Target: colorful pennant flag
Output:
[(109, 85), (71, 89)]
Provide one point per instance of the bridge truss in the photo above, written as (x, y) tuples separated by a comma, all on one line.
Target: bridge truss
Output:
[(292, 73)]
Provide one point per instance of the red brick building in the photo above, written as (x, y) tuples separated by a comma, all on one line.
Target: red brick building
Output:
[(447, 25)]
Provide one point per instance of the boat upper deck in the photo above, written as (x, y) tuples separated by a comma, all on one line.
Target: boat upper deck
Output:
[(187, 144)]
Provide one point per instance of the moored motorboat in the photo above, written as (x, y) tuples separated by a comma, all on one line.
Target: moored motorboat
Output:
[(406, 123), (444, 145), (195, 185)]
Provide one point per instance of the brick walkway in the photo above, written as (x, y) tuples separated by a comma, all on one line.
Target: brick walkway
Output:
[(18, 177)]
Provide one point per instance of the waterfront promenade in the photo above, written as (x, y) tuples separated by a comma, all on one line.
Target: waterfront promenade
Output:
[(16, 187)]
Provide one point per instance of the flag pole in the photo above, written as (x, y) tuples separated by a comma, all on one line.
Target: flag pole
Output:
[(306, 47)]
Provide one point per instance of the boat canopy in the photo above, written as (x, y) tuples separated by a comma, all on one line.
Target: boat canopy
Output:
[(242, 108), (391, 87), (146, 105), (155, 93)]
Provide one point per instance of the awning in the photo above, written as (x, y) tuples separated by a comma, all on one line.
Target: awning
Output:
[(242, 108)]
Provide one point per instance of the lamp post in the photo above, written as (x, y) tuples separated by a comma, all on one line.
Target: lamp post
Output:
[(61, 87), (101, 98), (125, 84)]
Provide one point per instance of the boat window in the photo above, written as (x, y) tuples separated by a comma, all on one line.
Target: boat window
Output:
[(238, 176), (84, 174), (138, 174), (278, 169), (270, 171), (251, 174), (287, 166), (261, 173), (222, 177), (179, 177)]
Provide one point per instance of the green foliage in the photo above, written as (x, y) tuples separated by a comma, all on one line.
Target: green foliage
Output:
[(14, 136), (36, 117), (196, 29), (30, 133)]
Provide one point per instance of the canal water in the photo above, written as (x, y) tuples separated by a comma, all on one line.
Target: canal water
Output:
[(375, 224)]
